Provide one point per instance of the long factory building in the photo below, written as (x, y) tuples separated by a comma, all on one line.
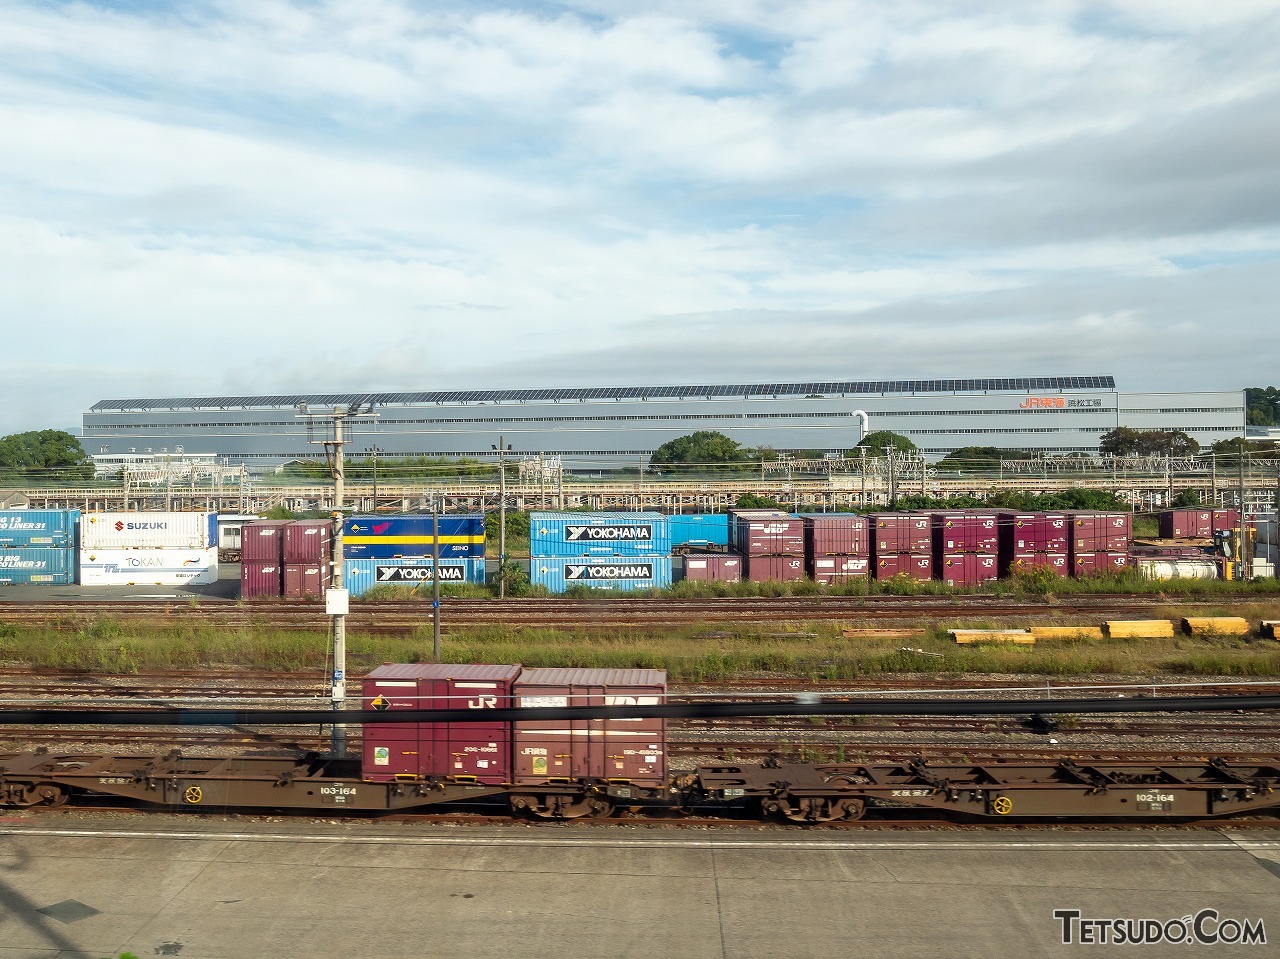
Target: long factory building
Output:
[(613, 427)]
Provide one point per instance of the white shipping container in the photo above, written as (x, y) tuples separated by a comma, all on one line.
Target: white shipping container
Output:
[(148, 530), (148, 567)]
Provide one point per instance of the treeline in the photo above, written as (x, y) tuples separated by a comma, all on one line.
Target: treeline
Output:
[(43, 456), (389, 468)]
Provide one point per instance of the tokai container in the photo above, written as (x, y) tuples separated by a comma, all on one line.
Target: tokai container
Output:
[(308, 541), (838, 569), (22, 566), (699, 529), (912, 565), (900, 533), (159, 566), (39, 528), (262, 541), (619, 750), (260, 579), (361, 575), (717, 567), (598, 534), (967, 569), (624, 573), (148, 531), (773, 569), (836, 534), (392, 537), (473, 751)]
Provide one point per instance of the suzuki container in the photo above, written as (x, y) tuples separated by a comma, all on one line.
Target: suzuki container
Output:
[(392, 537), (836, 534), (955, 532), (262, 541), (479, 751), (361, 575), (598, 534), (261, 579), (774, 569), (900, 533), (308, 541), (912, 565), (37, 566), (716, 567), (619, 750), (43, 528), (699, 529), (967, 569), (160, 566), (148, 531), (837, 569), (623, 573)]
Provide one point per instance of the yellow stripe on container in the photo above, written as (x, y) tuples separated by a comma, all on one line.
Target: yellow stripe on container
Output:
[(397, 540)]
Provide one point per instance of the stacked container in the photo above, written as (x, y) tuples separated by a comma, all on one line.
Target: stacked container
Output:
[(619, 551), (38, 546), (1196, 523), (613, 749), (1031, 541), (837, 546), (770, 542), (965, 547), (161, 549), (399, 550), (261, 558), (306, 557), (479, 750), (1098, 542), (901, 545)]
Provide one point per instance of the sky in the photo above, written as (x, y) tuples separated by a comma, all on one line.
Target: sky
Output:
[(222, 197)]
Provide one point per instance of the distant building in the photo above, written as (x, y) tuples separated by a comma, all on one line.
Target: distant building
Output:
[(613, 427)]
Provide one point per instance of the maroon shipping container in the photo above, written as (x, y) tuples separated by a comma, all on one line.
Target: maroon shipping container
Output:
[(967, 569), (721, 567), (1033, 533), (305, 579), (900, 533), (615, 749), (836, 534), (955, 532), (308, 541), (1025, 562), (749, 514), (913, 565), (777, 569), (480, 750), (780, 535), (261, 541), (1096, 532), (1225, 519), (1105, 561), (837, 569), (260, 579), (1196, 523)]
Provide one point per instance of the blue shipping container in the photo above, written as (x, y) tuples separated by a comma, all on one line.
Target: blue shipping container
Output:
[(699, 529), (38, 527), (47, 567), (602, 534), (363, 574), (625, 573), (391, 537)]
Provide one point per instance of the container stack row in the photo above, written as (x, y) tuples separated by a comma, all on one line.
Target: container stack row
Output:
[(38, 546), (285, 558), (1099, 542), (524, 753), (771, 544), (401, 550), (1032, 541), (837, 547), (965, 545), (609, 550), (901, 545)]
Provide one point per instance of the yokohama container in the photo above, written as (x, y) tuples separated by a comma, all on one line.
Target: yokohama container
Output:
[(699, 529), (720, 567), (422, 750), (42, 528), (967, 569), (900, 533), (766, 533), (1104, 561), (1026, 562), (598, 534), (912, 565), (955, 532), (773, 569), (261, 541), (148, 530), (391, 537), (613, 749), (37, 566), (161, 566), (361, 575), (308, 541), (1022, 533), (1098, 532), (624, 573), (305, 579), (260, 579), (836, 534), (837, 569)]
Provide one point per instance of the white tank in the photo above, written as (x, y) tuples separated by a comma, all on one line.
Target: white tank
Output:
[(1173, 567)]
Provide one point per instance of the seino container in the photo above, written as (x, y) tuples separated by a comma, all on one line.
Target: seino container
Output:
[(41, 528), (392, 537)]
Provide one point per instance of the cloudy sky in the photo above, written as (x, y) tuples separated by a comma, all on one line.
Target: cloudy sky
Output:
[(251, 196)]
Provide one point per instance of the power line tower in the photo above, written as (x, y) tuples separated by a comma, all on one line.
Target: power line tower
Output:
[(334, 439)]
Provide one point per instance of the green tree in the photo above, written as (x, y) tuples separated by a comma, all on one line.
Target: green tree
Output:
[(881, 441), (1126, 441), (704, 446), (1121, 441), (978, 458), (50, 456), (1262, 406)]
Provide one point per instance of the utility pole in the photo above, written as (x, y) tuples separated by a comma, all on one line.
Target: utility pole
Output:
[(435, 579), (373, 451), (336, 596), (503, 448)]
